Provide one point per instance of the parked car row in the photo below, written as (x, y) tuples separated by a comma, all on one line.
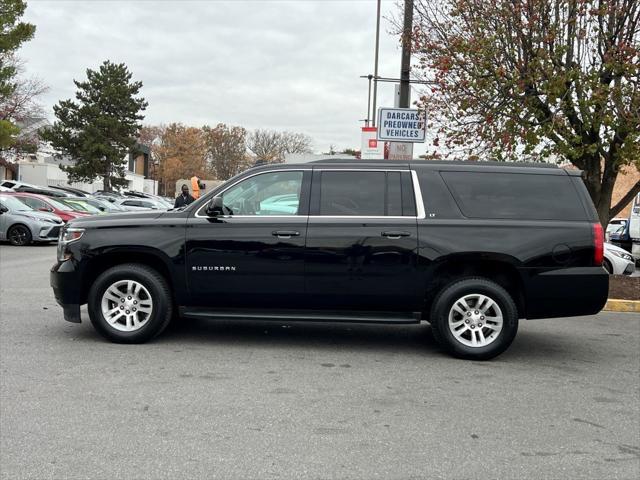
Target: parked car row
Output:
[(29, 213), (21, 224), (107, 202)]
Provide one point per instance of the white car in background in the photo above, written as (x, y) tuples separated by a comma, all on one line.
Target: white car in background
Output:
[(134, 203), (618, 261)]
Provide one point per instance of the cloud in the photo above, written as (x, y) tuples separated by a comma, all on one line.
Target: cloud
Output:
[(291, 65)]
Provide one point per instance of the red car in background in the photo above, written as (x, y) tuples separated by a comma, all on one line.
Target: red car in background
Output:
[(43, 203)]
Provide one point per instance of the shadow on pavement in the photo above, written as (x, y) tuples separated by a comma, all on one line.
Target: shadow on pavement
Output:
[(530, 345)]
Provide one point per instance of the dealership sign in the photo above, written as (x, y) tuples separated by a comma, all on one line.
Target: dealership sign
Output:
[(401, 125), (372, 148)]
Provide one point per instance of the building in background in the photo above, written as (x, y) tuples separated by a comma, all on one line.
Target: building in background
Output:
[(43, 168)]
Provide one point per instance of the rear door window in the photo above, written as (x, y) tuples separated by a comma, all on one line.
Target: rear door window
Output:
[(517, 196), (345, 193)]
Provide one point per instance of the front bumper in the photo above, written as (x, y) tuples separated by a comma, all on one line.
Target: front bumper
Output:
[(65, 281), (631, 267), (49, 233)]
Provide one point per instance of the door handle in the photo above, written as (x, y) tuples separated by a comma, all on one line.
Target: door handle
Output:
[(394, 235), (285, 233)]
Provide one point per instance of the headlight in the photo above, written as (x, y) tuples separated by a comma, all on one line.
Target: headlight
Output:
[(626, 256), (67, 236)]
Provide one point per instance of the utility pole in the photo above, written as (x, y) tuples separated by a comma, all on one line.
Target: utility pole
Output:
[(369, 101), (375, 68), (405, 66)]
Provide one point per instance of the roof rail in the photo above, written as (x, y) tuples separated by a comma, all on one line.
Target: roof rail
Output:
[(442, 162)]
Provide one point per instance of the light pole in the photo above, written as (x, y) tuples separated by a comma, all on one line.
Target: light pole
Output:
[(405, 68), (375, 66)]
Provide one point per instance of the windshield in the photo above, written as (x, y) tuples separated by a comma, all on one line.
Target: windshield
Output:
[(81, 206), (59, 205), (14, 205)]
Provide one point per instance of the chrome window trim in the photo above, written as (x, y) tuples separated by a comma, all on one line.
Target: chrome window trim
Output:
[(420, 211)]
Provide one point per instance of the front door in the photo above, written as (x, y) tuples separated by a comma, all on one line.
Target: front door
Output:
[(253, 255), (361, 241)]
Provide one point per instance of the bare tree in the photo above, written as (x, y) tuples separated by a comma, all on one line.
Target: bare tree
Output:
[(226, 150), (296, 142), (21, 104), (270, 146)]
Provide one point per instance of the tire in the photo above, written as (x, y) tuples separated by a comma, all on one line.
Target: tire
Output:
[(607, 266), (19, 235), (483, 331), (133, 287)]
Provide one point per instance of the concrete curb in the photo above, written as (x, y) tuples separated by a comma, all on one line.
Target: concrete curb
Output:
[(615, 305)]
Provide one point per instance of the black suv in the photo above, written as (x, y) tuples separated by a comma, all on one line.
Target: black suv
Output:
[(469, 247)]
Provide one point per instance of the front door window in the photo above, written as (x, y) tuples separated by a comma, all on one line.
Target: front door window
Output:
[(275, 193)]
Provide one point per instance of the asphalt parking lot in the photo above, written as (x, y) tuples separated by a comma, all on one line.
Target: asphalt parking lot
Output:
[(259, 400)]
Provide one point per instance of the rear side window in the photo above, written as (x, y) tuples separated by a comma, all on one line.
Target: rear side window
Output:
[(33, 202), (517, 196), (352, 193), (132, 203)]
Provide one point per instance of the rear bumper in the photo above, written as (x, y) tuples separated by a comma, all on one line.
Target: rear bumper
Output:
[(567, 292), (65, 281)]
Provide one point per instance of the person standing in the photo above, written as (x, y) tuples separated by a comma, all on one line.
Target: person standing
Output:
[(184, 198)]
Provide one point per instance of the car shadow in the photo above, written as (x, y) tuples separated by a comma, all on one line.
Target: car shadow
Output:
[(417, 340)]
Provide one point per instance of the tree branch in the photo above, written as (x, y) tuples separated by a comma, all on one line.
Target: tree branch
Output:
[(624, 201)]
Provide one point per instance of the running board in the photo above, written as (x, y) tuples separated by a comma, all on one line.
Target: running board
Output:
[(302, 315)]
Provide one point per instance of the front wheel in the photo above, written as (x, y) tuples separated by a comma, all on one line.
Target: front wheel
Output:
[(130, 303), (19, 235), (474, 318)]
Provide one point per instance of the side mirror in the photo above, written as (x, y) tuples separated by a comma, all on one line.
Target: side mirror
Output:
[(215, 208), (45, 209), (3, 209)]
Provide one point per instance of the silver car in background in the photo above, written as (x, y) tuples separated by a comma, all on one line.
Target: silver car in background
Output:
[(21, 224), (134, 203)]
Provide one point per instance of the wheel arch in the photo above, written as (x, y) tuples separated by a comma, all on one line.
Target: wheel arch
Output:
[(101, 262), (499, 268)]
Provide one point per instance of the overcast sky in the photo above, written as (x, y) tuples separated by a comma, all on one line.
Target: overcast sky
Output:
[(291, 65)]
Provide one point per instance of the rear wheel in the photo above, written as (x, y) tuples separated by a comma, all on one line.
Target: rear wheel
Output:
[(130, 303), (19, 235), (474, 318)]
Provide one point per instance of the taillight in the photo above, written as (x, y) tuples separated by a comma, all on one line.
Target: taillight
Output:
[(598, 244)]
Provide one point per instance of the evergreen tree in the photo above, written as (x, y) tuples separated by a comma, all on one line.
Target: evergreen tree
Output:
[(101, 127)]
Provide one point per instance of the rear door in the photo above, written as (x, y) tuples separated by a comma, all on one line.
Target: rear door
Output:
[(362, 240)]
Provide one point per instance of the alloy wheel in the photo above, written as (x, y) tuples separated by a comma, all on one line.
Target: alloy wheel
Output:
[(475, 320), (127, 305), (19, 236)]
